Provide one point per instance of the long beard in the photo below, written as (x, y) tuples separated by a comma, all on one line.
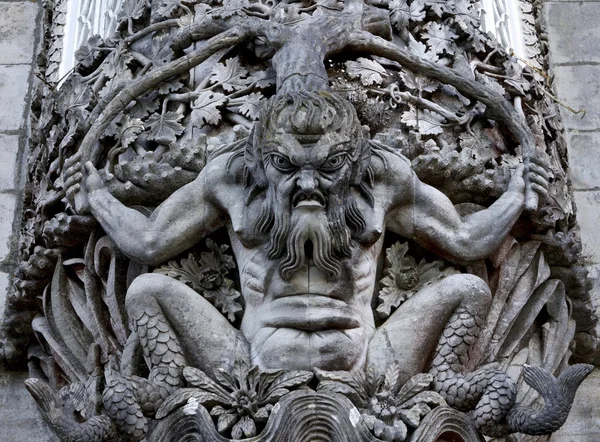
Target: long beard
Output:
[(290, 233)]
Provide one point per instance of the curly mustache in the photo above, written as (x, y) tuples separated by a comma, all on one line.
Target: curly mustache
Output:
[(330, 234)]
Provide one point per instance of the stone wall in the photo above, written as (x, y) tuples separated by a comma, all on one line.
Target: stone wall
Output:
[(574, 36), (19, 38)]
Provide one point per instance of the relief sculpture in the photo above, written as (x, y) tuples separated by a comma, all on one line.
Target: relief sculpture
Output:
[(337, 221)]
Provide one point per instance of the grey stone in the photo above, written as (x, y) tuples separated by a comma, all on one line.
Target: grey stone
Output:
[(584, 160), (14, 86), (9, 148), (4, 284), (573, 32), (589, 220), (7, 213), (306, 200), (17, 32), (579, 87), (583, 424), (19, 418)]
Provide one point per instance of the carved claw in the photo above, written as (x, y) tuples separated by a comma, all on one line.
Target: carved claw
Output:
[(59, 410)]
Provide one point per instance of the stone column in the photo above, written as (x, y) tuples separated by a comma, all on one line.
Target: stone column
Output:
[(19, 37), (574, 37)]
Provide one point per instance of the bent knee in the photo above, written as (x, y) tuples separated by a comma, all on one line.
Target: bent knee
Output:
[(144, 287), (470, 289), (475, 291)]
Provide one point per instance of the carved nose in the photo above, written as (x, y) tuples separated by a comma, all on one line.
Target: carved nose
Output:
[(307, 181)]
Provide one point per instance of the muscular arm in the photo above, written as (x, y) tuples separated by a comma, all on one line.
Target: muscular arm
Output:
[(177, 224), (432, 220)]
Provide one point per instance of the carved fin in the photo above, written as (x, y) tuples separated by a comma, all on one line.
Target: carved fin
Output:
[(45, 398), (538, 378), (573, 376)]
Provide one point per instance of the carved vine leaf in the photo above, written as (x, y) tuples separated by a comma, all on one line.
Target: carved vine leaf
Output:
[(169, 8), (239, 400), (420, 49), (252, 105), (117, 62), (164, 129), (404, 277), (129, 130), (369, 71), (402, 12), (205, 109), (77, 97), (132, 10), (169, 86), (425, 121), (230, 75), (116, 82), (231, 8), (491, 83), (440, 7), (90, 51), (465, 16), (263, 79), (208, 277), (145, 105), (419, 82), (440, 38), (161, 50), (390, 410)]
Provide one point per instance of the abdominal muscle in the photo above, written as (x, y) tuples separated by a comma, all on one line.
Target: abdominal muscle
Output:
[(308, 321)]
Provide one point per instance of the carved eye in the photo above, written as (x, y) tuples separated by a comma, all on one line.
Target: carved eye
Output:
[(281, 163), (335, 162)]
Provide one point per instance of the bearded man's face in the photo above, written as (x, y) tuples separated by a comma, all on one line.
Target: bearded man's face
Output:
[(307, 157)]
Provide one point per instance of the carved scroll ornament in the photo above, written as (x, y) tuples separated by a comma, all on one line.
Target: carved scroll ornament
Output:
[(300, 221)]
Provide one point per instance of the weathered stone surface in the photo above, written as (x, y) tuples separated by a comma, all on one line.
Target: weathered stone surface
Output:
[(583, 424), (19, 418), (3, 291), (7, 213), (577, 87), (9, 148), (573, 32), (308, 181), (589, 220), (18, 32), (584, 160), (13, 92)]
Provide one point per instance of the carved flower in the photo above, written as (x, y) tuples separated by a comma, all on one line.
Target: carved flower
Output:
[(390, 410), (210, 279), (404, 277), (239, 400), (208, 276)]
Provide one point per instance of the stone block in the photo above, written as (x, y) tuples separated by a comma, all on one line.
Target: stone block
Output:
[(7, 214), (14, 84), (17, 32), (583, 424), (4, 284), (9, 149), (579, 88), (573, 32), (584, 160), (20, 420), (594, 275), (588, 216)]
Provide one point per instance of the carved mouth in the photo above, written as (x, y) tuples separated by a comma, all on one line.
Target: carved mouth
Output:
[(313, 199)]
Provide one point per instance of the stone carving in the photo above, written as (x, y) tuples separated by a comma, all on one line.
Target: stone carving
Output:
[(257, 124)]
